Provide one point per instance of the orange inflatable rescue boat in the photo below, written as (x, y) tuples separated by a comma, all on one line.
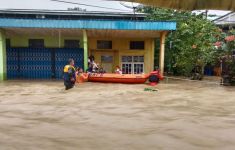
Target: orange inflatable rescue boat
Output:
[(82, 77), (118, 78)]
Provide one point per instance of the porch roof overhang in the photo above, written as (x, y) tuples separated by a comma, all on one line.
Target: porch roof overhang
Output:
[(93, 33), (88, 24)]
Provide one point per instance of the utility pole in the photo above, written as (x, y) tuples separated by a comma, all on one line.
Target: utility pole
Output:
[(206, 13)]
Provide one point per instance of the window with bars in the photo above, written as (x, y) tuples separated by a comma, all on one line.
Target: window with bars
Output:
[(132, 64), (137, 45), (101, 44), (106, 59), (71, 43), (36, 43), (8, 43)]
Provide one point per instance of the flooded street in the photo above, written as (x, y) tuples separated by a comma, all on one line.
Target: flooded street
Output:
[(180, 115)]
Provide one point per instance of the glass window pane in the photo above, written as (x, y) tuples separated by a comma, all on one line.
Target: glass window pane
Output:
[(129, 58), (137, 45), (138, 68), (8, 43), (141, 58), (104, 44), (136, 58), (124, 58), (36, 43), (106, 59), (71, 43)]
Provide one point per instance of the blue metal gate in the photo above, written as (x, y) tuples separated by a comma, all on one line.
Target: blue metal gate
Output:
[(35, 63), (61, 59), (12, 63), (28, 63)]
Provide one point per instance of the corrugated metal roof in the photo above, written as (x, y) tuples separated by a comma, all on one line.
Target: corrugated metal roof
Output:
[(87, 24), (226, 19), (70, 12)]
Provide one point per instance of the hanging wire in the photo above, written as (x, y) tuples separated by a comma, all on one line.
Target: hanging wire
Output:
[(76, 3)]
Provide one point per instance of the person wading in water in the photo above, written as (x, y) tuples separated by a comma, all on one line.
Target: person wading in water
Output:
[(69, 75)]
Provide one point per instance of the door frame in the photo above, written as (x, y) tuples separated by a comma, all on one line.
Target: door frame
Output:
[(97, 53), (132, 63)]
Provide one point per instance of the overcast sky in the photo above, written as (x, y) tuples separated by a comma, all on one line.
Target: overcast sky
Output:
[(48, 4)]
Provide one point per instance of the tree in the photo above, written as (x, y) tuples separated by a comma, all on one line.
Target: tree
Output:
[(192, 43), (226, 47)]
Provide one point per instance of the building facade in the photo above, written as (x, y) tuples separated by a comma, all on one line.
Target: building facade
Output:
[(37, 44), (226, 22)]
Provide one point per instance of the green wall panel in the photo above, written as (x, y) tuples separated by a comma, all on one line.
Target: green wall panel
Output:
[(3, 63)]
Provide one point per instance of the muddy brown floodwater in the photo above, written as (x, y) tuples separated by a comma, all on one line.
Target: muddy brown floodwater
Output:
[(182, 115)]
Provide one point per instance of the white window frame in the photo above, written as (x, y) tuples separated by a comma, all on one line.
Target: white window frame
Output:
[(137, 63), (132, 63)]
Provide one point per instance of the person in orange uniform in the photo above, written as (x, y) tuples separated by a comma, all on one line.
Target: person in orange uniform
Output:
[(81, 76), (69, 75)]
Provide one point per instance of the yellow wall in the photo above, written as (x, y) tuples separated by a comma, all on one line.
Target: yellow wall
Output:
[(49, 41), (120, 47)]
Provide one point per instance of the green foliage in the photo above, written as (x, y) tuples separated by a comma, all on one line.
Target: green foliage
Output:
[(226, 49), (192, 42)]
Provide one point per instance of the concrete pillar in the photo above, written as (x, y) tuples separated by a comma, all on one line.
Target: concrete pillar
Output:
[(152, 54), (3, 61), (85, 47), (162, 51)]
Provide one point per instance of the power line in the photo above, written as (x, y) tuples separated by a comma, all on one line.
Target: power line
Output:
[(68, 2)]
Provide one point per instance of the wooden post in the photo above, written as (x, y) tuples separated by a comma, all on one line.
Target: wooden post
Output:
[(3, 61), (85, 47), (162, 51)]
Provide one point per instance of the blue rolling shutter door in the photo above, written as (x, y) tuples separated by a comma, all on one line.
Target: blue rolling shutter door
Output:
[(28, 63), (61, 59), (35, 63), (42, 63)]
